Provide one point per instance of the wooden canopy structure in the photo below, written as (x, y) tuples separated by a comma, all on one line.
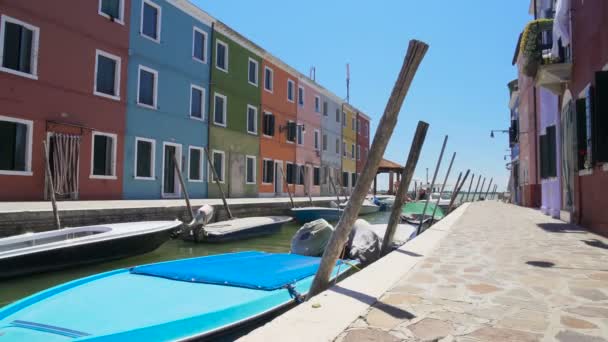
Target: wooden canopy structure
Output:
[(390, 167)]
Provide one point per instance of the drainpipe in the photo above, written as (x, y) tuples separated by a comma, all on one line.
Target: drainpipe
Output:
[(209, 97)]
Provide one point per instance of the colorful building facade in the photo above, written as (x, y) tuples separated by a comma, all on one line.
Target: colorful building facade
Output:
[(331, 144), (362, 127), (308, 138), (349, 146), (167, 100)]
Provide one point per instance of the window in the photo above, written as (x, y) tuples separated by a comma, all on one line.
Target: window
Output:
[(107, 75), (324, 142), (103, 161), (268, 125), (199, 45), (112, 9), (344, 149), (300, 130), (221, 55), (337, 115), (316, 176), (316, 139), (291, 131), (19, 47), (317, 104), (144, 158), (358, 127), (197, 102), (353, 179), (358, 152), (290, 90), (219, 109), (253, 72), (352, 151), (338, 146), (15, 146), (147, 87), (343, 119), (300, 174), (268, 171), (218, 165), (252, 120), (195, 164), (365, 131), (325, 108), (290, 173), (268, 79), (250, 169), (150, 20), (345, 176), (301, 96), (352, 123)]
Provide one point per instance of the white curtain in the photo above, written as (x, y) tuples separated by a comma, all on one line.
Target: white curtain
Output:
[(65, 150), (561, 26)]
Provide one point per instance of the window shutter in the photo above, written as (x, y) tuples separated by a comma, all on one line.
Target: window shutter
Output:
[(543, 154), (551, 150), (589, 125), (271, 125), (600, 122), (581, 132)]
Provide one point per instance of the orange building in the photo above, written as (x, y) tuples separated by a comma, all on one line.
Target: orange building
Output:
[(278, 128)]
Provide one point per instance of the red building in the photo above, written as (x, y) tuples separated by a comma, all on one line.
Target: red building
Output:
[(362, 140), (63, 78)]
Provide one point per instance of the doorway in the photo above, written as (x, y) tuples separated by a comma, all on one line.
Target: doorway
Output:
[(170, 185), (64, 161)]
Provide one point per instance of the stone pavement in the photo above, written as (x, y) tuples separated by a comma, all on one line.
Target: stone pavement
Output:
[(503, 273)]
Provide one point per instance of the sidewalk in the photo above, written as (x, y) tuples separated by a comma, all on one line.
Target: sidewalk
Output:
[(503, 273)]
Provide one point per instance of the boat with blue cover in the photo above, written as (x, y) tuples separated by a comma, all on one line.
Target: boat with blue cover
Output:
[(309, 214), (173, 300)]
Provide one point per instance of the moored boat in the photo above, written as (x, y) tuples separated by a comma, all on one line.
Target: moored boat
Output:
[(309, 214), (243, 228), (367, 207), (412, 212), (175, 300), (62, 248)]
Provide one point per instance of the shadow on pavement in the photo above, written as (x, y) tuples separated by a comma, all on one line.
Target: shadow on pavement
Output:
[(561, 228), (596, 243), (369, 300)]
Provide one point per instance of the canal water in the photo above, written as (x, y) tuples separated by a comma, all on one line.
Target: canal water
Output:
[(14, 289)]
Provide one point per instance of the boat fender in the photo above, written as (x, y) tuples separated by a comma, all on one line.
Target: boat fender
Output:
[(294, 293)]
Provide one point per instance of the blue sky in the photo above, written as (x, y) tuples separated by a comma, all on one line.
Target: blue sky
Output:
[(461, 86)]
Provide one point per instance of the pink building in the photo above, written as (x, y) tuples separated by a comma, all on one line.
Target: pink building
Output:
[(308, 139)]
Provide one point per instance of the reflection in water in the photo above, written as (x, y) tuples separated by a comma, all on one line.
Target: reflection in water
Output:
[(14, 289)]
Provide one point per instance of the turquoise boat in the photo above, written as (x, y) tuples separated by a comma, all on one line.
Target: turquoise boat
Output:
[(168, 301)]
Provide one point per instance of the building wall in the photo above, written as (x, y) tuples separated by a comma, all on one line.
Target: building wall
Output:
[(277, 148), (170, 121), (551, 187), (70, 34), (363, 137), (349, 137), (331, 161), (590, 54), (234, 139), (306, 154)]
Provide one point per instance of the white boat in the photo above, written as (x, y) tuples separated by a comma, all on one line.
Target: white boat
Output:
[(243, 228), (57, 249), (444, 199), (367, 207)]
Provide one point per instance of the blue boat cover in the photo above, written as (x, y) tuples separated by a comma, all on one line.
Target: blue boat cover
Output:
[(254, 270)]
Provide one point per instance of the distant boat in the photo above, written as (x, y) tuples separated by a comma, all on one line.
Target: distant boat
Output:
[(308, 214), (367, 207), (444, 199), (243, 228), (412, 212), (62, 248), (174, 300)]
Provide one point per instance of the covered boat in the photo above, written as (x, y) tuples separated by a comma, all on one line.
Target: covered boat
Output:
[(175, 300), (412, 212), (243, 228), (367, 207), (57, 249), (309, 214)]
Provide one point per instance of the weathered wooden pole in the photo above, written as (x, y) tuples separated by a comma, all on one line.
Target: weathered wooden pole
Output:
[(47, 166), (458, 181), (457, 191), (488, 191), (415, 190), (481, 188), (428, 198), (470, 186), (447, 174), (287, 186), (414, 56), (476, 187), (217, 181), (408, 173), (333, 185), (183, 185), (494, 191)]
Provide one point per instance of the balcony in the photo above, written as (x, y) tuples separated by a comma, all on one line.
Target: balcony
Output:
[(555, 71)]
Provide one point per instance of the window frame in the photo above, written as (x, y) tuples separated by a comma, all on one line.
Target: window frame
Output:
[(159, 20), (338, 116), (255, 119), (358, 152), (353, 122), (257, 70), (338, 146), (293, 89), (352, 151), (264, 160), (325, 108), (203, 102), (303, 97), (344, 155), (264, 114), (317, 140), (344, 124), (225, 109), (152, 159), (114, 137), (317, 102), (295, 140), (226, 55), (324, 142), (117, 72), (35, 46), (196, 29), (254, 168), (202, 164), (300, 128), (121, 20), (155, 90), (293, 181), (222, 179), (28, 148), (316, 170), (271, 90)]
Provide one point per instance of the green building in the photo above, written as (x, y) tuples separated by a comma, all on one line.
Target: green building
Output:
[(235, 108)]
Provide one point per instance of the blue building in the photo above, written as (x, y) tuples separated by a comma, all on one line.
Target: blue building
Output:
[(167, 99)]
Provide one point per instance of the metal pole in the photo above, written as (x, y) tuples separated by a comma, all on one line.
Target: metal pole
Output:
[(481, 189), (457, 191), (335, 246), (217, 181), (488, 191), (408, 173), (469, 191), (287, 186), (426, 203), (51, 184), (447, 174), (183, 185)]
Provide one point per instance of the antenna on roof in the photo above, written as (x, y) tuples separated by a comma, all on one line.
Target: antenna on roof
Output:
[(313, 73), (347, 83)]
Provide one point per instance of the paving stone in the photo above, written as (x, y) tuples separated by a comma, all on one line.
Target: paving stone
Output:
[(474, 269), (371, 335), (503, 335), (591, 294), (401, 298), (430, 329), (573, 336), (589, 311), (603, 276), (422, 277), (576, 323), (386, 317), (483, 288)]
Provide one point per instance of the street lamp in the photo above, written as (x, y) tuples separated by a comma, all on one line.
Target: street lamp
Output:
[(499, 131)]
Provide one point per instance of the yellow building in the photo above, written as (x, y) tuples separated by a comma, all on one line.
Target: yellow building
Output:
[(349, 145)]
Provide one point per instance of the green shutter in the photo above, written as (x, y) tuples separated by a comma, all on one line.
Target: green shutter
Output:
[(600, 122)]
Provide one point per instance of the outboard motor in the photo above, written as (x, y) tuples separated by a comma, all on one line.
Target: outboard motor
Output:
[(312, 238)]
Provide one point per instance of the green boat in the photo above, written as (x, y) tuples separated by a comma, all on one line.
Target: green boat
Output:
[(412, 212)]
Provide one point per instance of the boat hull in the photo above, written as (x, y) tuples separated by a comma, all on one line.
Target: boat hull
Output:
[(305, 215), (257, 231)]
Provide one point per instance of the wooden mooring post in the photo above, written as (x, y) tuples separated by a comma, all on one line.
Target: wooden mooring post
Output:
[(457, 191), (447, 175), (488, 191), (414, 56), (494, 191), (406, 178), (306, 186), (287, 186), (184, 190), (333, 185), (481, 189), (466, 199), (428, 198), (219, 185), (47, 167)]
